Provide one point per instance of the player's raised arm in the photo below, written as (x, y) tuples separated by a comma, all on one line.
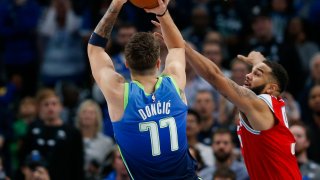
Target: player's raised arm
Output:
[(109, 81), (175, 62), (246, 100)]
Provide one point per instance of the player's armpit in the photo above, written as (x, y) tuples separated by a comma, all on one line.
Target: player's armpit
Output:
[(176, 65)]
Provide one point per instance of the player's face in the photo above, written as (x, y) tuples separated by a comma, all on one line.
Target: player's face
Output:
[(50, 108), (302, 142), (314, 99), (204, 104), (258, 79), (192, 125), (222, 146), (88, 116)]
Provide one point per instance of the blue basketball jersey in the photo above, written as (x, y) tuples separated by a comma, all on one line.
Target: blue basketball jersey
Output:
[(152, 133)]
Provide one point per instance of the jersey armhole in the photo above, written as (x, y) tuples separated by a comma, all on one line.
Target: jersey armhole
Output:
[(125, 95)]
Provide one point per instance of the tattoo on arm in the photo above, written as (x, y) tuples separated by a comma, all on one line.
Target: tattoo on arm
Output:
[(241, 91), (105, 25)]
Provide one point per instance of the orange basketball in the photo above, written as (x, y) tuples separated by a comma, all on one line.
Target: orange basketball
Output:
[(148, 4)]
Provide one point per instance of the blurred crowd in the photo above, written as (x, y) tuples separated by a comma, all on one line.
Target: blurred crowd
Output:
[(54, 121)]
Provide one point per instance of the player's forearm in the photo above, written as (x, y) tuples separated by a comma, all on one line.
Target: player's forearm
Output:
[(98, 58), (171, 33), (203, 66), (107, 22)]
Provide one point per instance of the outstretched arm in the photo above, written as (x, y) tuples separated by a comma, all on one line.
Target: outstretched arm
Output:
[(175, 62), (110, 82), (242, 97)]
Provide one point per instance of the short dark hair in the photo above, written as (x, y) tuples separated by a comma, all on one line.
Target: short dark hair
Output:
[(196, 114), (142, 52), (224, 172), (222, 131), (279, 74)]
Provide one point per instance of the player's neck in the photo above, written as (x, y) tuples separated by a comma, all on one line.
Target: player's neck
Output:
[(302, 157), (147, 81)]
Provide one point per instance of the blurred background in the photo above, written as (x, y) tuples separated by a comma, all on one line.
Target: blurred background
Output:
[(54, 121)]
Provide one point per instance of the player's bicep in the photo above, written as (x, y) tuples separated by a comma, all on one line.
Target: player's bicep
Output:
[(176, 65), (111, 84)]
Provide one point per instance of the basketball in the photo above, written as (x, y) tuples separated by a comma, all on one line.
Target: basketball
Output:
[(148, 4)]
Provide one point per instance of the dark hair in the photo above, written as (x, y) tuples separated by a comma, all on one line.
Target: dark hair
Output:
[(223, 131), (224, 172), (305, 127), (279, 74), (196, 114), (142, 52)]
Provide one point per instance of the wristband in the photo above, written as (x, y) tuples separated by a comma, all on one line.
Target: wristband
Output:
[(98, 40), (160, 15)]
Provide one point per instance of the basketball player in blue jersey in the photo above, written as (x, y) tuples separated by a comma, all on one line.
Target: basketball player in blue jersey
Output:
[(149, 113)]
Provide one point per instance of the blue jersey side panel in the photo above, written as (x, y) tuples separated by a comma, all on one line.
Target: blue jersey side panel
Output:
[(155, 122)]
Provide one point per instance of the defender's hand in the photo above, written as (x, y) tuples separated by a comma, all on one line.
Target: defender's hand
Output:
[(253, 58), (161, 9)]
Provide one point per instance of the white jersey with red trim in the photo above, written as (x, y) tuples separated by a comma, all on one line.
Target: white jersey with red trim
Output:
[(269, 154)]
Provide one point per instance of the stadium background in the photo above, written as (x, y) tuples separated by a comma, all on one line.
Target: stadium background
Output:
[(43, 44)]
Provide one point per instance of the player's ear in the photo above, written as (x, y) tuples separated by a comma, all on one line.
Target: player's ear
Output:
[(126, 63), (272, 87), (158, 64)]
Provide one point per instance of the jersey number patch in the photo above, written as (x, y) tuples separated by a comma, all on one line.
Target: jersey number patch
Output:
[(152, 127)]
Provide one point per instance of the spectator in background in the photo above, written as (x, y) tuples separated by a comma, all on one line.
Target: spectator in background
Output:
[(280, 15), (35, 167), (309, 169), (292, 107), (26, 115), (119, 171), (213, 51), (205, 105), (61, 145), (228, 113), (224, 173), (263, 39), (196, 32), (223, 147), (194, 84), (297, 35), (203, 170), (228, 19), (314, 104), (96, 145), (2, 171), (124, 33), (63, 55), (313, 79), (193, 129), (18, 23)]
